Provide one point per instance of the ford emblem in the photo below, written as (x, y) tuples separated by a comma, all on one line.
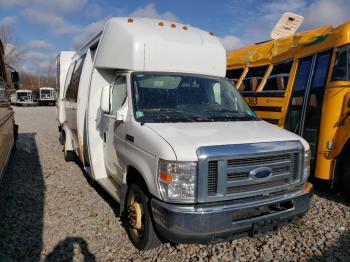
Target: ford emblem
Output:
[(261, 173)]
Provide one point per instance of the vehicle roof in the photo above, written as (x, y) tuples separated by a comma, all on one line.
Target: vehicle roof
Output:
[(145, 44), (297, 45), (23, 90)]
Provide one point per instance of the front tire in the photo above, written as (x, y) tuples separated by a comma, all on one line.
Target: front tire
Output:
[(345, 177), (68, 155), (139, 224)]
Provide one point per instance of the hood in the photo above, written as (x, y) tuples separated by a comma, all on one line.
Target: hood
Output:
[(186, 138)]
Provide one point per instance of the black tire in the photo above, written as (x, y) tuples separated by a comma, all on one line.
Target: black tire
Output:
[(68, 155), (144, 238), (345, 176)]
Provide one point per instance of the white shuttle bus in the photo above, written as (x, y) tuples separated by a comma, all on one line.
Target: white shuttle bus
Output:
[(22, 97), (153, 120), (44, 96)]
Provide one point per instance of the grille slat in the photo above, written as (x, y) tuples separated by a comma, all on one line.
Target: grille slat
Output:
[(259, 186), (212, 177), (257, 160)]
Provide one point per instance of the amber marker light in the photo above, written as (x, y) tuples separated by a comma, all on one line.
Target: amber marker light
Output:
[(185, 27), (165, 177), (130, 20), (173, 25), (211, 33), (161, 23)]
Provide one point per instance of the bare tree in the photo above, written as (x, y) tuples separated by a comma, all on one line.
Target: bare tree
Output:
[(13, 52)]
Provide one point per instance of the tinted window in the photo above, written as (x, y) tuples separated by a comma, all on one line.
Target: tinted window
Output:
[(253, 78), (321, 71), (234, 74), (72, 91), (279, 76), (341, 65), (68, 78)]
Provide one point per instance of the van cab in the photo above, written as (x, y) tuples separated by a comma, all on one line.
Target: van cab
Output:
[(152, 118)]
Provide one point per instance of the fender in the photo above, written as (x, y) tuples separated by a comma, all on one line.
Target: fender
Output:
[(68, 138)]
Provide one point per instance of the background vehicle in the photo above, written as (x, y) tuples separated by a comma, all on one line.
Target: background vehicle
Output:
[(301, 83), (151, 117), (22, 97), (44, 96), (8, 128)]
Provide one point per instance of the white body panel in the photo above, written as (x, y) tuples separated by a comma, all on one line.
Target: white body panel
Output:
[(143, 45), (63, 61), (186, 138)]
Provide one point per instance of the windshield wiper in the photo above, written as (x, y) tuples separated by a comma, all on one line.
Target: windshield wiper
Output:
[(187, 114)]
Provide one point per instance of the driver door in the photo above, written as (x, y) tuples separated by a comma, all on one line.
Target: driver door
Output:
[(115, 130)]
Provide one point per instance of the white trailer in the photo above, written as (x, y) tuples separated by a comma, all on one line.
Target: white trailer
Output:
[(153, 120)]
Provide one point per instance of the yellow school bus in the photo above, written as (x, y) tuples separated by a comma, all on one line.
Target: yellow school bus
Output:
[(302, 83), (8, 129)]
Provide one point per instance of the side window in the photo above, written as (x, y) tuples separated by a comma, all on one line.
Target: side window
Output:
[(253, 78), (119, 94), (342, 64), (217, 93), (68, 80), (234, 74), (279, 76), (72, 91)]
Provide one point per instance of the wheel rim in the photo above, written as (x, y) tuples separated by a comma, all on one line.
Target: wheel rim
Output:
[(135, 217)]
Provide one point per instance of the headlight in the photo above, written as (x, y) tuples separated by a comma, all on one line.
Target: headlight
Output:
[(177, 180), (307, 157)]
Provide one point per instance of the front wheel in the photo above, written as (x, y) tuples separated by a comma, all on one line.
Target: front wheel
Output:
[(68, 155), (139, 223)]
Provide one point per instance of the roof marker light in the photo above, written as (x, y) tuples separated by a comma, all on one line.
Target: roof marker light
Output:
[(211, 33), (130, 20), (161, 23), (173, 25), (185, 27)]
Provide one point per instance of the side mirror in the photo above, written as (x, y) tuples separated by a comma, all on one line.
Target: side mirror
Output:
[(122, 113), (104, 100), (14, 77)]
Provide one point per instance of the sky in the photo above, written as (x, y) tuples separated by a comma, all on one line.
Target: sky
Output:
[(42, 28)]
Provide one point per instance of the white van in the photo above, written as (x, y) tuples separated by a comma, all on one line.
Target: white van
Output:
[(153, 120)]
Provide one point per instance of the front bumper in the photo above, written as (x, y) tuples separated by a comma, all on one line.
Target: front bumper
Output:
[(207, 223)]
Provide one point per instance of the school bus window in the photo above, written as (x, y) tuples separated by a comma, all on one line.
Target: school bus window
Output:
[(234, 74), (341, 65), (253, 78), (279, 76)]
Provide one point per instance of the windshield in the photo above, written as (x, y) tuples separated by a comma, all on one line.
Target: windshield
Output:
[(161, 97), (45, 91)]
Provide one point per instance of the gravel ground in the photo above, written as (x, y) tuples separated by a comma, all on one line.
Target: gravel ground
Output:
[(49, 211)]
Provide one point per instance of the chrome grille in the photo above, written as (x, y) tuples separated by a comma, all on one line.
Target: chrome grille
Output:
[(225, 172)]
